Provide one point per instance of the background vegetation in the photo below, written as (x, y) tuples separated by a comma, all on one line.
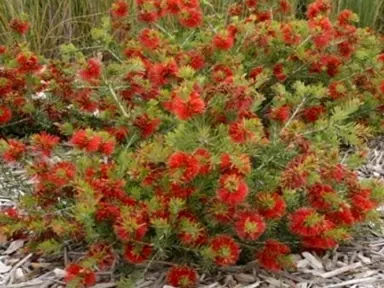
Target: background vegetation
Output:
[(58, 22)]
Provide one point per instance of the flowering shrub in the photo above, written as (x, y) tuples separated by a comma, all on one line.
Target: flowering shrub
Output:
[(220, 144)]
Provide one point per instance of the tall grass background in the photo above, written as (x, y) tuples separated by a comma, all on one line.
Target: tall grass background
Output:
[(56, 22)]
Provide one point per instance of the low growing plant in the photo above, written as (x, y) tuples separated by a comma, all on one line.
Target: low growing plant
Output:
[(218, 142)]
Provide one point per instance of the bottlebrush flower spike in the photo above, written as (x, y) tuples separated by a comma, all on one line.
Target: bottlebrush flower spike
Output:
[(190, 17), (92, 72), (12, 150), (183, 166), (235, 164), (274, 256), (223, 41), (322, 196), (270, 205), (232, 189), (172, 6), (136, 253), (44, 143), (182, 276), (190, 231), (19, 26), (280, 114), (225, 250), (313, 113), (307, 222), (85, 139), (189, 3), (131, 225), (222, 73), (203, 156), (185, 109), (147, 125), (120, 9), (103, 254), (28, 63), (5, 114), (278, 71), (80, 275), (150, 38), (249, 225)]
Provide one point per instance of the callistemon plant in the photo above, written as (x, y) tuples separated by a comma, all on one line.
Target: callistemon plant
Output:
[(193, 136)]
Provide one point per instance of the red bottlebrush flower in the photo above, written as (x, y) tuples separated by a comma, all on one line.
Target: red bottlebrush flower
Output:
[(196, 60), (321, 196), (270, 205), (331, 64), (5, 114), (107, 211), (226, 250), (255, 72), (190, 231), (249, 225), (75, 272), (235, 9), (239, 133), (380, 58), (289, 36), (103, 254), (280, 114), (318, 7), (204, 158), (334, 173), (382, 87), (182, 276), (14, 151), (346, 49), (160, 73), (233, 190), (3, 49), (319, 242), (285, 7), (172, 6), (119, 9), (44, 143), (251, 3), (107, 147), (28, 63), (278, 71), (185, 109), (264, 16), (190, 17), (307, 222), (131, 226), (222, 73), (137, 253), (189, 3), (146, 125), (362, 203), (179, 191), (337, 90), (221, 212), (120, 133), (343, 215), (313, 113), (83, 139), (296, 175), (149, 38), (223, 41), (19, 26), (274, 255), (345, 17), (184, 167), (92, 72), (239, 165)]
